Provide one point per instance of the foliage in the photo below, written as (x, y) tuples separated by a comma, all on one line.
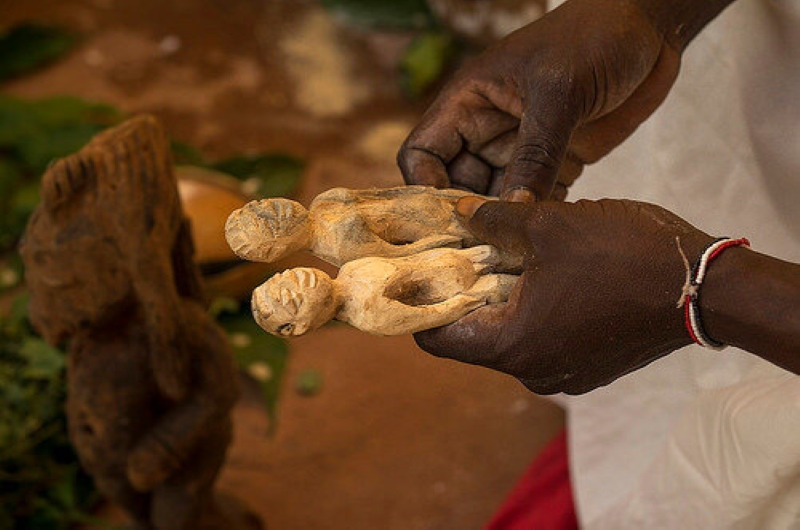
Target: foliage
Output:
[(25, 47), (308, 383), (273, 175), (41, 484), (425, 60), (32, 134), (259, 354), (399, 14)]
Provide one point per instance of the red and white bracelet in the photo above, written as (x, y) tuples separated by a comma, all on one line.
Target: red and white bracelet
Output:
[(691, 289)]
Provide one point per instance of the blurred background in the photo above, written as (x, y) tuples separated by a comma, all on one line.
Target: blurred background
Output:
[(336, 430)]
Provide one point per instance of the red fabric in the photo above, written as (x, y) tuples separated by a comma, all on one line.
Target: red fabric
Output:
[(542, 498)]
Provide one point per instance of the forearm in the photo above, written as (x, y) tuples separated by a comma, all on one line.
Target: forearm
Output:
[(681, 20), (752, 301)]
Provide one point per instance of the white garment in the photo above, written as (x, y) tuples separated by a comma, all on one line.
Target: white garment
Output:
[(723, 152)]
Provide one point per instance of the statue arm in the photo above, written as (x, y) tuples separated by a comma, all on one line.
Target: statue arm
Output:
[(173, 439), (396, 318)]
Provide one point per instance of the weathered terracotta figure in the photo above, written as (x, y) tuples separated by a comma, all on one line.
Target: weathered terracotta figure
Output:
[(342, 225), (384, 296), (151, 382)]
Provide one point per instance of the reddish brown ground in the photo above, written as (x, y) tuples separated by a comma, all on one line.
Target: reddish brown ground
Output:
[(396, 438)]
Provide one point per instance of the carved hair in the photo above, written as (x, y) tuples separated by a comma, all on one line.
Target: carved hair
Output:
[(294, 301), (268, 229)]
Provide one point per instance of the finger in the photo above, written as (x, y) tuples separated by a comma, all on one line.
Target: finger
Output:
[(422, 167), (559, 192), (571, 169), (544, 134), (497, 336), (470, 172), (499, 223), (471, 339), (498, 174), (424, 156), (497, 152)]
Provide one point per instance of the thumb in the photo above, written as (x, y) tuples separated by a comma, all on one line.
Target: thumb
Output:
[(499, 223), (544, 133)]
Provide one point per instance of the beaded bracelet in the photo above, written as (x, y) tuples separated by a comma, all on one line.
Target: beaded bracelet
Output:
[(691, 289)]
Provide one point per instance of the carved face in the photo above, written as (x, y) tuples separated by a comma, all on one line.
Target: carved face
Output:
[(294, 302), (75, 275), (268, 230)]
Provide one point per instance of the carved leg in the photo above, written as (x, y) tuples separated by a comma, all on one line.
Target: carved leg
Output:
[(400, 319), (483, 257), (136, 504), (186, 501), (390, 250), (494, 288)]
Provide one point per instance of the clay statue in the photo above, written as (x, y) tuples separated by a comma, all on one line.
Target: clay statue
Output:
[(150, 379), (342, 225), (384, 296)]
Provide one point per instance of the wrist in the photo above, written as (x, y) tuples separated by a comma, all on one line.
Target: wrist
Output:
[(679, 21), (749, 300)]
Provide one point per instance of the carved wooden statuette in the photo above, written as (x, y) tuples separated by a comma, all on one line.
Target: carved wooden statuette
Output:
[(151, 382), (342, 225), (384, 296), (407, 263)]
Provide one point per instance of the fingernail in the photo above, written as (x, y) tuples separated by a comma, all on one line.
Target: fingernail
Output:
[(467, 206), (518, 194)]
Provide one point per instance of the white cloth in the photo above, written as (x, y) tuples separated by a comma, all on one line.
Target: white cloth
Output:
[(723, 152)]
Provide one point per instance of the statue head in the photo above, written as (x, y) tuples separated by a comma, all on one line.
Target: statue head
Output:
[(75, 272), (269, 229), (295, 301)]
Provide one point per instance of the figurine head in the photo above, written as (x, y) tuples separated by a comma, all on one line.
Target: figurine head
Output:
[(295, 301), (269, 229), (103, 209), (75, 273)]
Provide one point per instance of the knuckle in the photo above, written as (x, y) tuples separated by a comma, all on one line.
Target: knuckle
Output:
[(541, 154)]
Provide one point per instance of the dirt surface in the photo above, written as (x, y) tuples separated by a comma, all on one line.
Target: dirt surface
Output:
[(395, 438)]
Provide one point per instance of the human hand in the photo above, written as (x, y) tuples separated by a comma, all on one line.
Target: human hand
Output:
[(596, 299), (532, 110)]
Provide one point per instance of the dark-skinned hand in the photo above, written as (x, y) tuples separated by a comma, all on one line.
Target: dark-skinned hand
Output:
[(596, 299), (532, 110)]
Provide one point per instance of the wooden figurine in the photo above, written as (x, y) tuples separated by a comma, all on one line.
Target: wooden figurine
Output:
[(384, 296), (151, 382), (343, 225)]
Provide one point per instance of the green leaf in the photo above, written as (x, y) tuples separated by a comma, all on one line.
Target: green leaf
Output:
[(40, 131), (261, 355), (27, 46), (223, 305), (184, 154), (273, 175), (425, 60), (309, 383), (44, 361), (18, 316), (397, 14)]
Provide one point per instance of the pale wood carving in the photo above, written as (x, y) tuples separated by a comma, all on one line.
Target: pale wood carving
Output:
[(342, 225), (384, 296)]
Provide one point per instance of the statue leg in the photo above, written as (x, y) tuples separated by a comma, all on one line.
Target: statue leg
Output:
[(493, 288), (136, 504), (186, 500)]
